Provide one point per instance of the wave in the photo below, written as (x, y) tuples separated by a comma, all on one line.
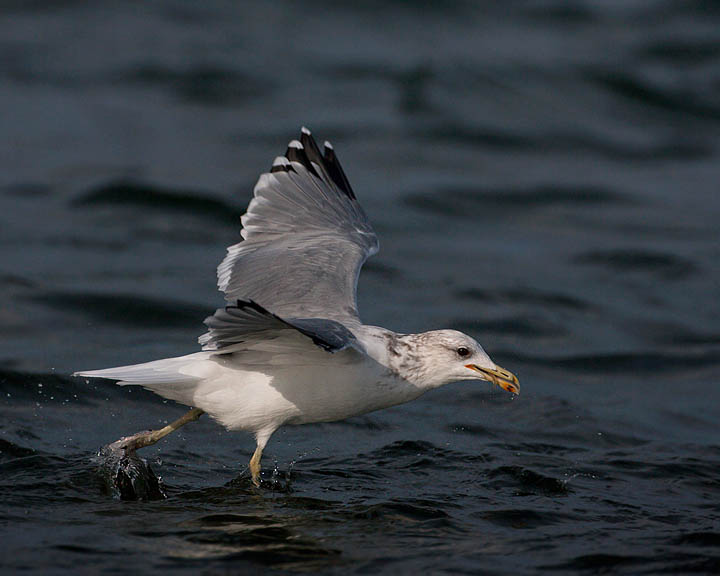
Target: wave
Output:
[(471, 203), (201, 84), (127, 309), (525, 297), (150, 197), (669, 266), (631, 363)]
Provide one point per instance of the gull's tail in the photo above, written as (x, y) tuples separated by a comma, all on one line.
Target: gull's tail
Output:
[(173, 378)]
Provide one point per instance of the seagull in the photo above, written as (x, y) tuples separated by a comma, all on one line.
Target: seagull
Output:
[(289, 347)]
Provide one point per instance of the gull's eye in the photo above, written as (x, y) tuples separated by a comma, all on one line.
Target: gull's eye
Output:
[(463, 352)]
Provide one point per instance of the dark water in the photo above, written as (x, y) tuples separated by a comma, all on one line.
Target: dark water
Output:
[(543, 175)]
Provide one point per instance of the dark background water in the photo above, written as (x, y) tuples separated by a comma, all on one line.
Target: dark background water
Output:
[(543, 175)]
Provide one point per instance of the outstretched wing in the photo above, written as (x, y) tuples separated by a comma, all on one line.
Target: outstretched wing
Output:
[(305, 239), (239, 326)]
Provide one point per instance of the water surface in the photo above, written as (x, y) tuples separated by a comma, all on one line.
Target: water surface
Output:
[(542, 175)]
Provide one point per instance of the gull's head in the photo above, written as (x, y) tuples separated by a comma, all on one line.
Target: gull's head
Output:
[(443, 356)]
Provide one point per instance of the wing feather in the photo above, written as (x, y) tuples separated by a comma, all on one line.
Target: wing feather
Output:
[(305, 239), (247, 322)]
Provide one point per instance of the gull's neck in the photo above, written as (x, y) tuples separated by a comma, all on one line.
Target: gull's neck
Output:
[(398, 352)]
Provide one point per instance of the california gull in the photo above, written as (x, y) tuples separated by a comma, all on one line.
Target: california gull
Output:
[(289, 347)]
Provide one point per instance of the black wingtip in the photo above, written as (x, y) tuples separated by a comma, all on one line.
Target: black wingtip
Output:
[(296, 153), (283, 166), (311, 148), (332, 165), (306, 152)]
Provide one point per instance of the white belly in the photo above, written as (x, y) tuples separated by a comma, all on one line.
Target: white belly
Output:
[(242, 398)]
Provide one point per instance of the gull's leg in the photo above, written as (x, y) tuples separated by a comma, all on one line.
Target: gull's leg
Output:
[(261, 438), (150, 437), (255, 466)]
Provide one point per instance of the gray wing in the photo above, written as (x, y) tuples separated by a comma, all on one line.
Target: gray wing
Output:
[(305, 239), (235, 327)]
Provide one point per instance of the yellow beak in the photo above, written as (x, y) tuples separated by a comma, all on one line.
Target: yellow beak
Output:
[(503, 378)]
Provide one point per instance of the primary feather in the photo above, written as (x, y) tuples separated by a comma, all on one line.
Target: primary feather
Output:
[(305, 239)]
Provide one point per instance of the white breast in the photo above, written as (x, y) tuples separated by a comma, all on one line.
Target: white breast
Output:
[(247, 397)]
